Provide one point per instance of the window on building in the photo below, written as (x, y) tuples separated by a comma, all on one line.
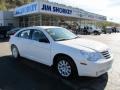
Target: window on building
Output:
[(10, 24), (0, 24)]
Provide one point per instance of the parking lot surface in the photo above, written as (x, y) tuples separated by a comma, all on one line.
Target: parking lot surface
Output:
[(24, 74)]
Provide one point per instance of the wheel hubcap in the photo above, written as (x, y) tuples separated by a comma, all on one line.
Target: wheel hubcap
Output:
[(64, 68), (14, 53)]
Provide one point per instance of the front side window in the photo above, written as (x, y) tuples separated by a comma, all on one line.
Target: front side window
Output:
[(25, 34), (60, 34), (39, 36)]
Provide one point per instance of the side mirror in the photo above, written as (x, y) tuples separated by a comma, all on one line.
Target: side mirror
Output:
[(44, 40)]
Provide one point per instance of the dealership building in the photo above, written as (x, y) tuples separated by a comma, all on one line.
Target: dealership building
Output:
[(42, 12)]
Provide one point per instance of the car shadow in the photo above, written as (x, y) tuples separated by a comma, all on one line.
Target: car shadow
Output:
[(24, 74)]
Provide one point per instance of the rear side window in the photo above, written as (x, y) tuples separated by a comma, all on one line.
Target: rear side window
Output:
[(24, 34)]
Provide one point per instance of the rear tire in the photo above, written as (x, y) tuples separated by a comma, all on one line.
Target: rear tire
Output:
[(65, 67), (15, 52)]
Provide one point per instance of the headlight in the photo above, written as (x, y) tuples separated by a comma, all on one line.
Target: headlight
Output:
[(91, 56)]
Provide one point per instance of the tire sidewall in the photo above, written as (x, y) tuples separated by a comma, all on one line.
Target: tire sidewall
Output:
[(95, 33)]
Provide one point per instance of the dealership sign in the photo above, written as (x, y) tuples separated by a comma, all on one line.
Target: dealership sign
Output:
[(55, 9), (26, 9)]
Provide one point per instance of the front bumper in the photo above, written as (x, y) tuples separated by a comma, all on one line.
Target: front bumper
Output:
[(95, 69)]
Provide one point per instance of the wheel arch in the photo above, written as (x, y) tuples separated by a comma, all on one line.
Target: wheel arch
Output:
[(60, 54), (12, 45)]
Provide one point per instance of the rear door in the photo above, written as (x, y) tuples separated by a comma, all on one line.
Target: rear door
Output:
[(23, 42)]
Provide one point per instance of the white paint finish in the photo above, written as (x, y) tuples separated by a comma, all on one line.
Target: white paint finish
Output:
[(78, 43), (42, 51), (45, 52)]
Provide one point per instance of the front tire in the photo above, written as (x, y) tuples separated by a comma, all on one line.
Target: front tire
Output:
[(15, 52), (65, 67)]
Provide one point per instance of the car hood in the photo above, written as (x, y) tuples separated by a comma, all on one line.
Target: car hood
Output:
[(80, 42)]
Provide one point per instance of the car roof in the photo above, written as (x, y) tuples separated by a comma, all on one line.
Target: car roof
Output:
[(38, 27), (44, 27)]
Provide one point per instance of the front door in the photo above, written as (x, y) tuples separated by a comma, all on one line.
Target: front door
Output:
[(40, 47)]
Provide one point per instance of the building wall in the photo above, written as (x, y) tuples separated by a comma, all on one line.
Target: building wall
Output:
[(1, 18), (43, 12), (7, 18)]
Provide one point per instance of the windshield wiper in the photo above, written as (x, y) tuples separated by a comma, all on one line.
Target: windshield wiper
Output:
[(76, 37), (62, 39), (67, 39)]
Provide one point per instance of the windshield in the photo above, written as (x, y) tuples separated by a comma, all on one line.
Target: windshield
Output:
[(60, 34)]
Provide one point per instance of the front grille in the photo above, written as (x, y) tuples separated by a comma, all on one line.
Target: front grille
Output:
[(106, 54)]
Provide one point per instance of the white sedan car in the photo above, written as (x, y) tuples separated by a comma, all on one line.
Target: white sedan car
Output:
[(69, 54)]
